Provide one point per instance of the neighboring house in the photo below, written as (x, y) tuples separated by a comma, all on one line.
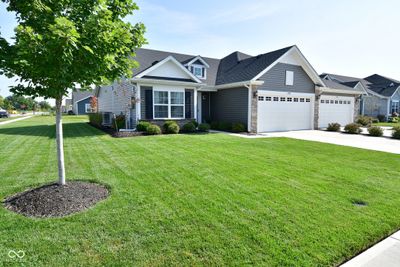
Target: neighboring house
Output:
[(381, 94), (276, 91), (81, 102), (68, 105)]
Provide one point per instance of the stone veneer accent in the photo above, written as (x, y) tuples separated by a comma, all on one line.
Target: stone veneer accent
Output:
[(357, 104), (254, 110), (316, 109)]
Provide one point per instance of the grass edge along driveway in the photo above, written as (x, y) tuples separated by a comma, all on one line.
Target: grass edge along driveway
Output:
[(208, 199)]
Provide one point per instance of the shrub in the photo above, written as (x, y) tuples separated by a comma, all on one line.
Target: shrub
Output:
[(204, 127), (396, 132), (375, 131), (214, 125), (238, 127), (364, 120), (224, 126), (142, 126), (381, 118), (375, 120), (153, 129), (118, 122), (352, 128), (333, 127), (395, 120), (195, 123), (96, 119), (189, 128), (171, 127)]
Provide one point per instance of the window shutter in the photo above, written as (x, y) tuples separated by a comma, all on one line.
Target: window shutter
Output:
[(203, 72), (149, 103), (188, 104)]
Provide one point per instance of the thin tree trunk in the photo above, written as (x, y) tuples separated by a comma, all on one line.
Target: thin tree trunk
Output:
[(60, 143)]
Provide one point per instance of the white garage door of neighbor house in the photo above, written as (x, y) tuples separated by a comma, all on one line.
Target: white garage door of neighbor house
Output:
[(285, 112), (338, 109)]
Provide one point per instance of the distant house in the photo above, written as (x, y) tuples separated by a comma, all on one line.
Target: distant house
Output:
[(68, 105), (381, 94), (275, 91), (80, 102)]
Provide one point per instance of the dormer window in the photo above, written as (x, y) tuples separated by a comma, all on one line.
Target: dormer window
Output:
[(198, 67), (198, 71)]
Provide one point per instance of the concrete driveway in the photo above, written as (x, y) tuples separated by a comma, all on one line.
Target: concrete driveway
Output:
[(384, 144)]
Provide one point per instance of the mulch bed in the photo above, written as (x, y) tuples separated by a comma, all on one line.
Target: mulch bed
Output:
[(113, 133), (56, 200)]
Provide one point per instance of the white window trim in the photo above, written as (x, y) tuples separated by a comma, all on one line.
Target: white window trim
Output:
[(289, 78), (88, 110), (202, 67), (169, 105)]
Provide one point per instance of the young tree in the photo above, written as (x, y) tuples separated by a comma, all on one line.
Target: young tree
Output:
[(1, 102), (65, 44)]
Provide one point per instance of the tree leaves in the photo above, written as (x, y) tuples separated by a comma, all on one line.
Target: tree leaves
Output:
[(60, 44)]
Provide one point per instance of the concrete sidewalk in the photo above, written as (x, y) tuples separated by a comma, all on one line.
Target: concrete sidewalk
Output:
[(19, 119), (386, 254)]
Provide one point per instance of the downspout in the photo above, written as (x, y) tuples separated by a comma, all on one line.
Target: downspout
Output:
[(249, 110)]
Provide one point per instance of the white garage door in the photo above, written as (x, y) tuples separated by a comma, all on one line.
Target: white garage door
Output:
[(285, 112), (338, 109)]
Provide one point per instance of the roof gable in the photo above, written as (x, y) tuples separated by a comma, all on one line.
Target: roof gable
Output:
[(168, 68)]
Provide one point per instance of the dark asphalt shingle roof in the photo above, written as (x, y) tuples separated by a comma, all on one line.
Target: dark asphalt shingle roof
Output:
[(246, 68), (340, 86), (375, 83), (235, 67), (382, 85), (79, 95)]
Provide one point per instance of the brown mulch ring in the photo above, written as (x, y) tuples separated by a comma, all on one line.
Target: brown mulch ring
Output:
[(56, 200)]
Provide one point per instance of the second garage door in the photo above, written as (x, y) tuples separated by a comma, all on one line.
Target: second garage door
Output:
[(285, 112), (338, 109)]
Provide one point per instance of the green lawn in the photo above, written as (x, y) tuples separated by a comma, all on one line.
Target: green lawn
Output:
[(388, 124), (7, 119), (209, 199)]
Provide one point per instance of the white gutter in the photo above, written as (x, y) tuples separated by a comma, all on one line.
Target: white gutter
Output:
[(167, 82), (239, 84)]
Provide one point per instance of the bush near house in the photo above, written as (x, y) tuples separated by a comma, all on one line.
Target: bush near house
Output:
[(96, 119), (333, 127), (118, 122), (188, 128), (238, 127), (375, 131), (364, 120), (352, 128), (153, 129), (396, 132), (214, 125), (224, 126), (171, 127), (196, 124), (381, 118), (204, 127), (142, 126), (394, 119)]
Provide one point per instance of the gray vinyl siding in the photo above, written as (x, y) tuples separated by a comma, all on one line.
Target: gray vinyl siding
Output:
[(81, 106), (143, 101), (230, 105), (374, 106), (115, 97), (275, 79)]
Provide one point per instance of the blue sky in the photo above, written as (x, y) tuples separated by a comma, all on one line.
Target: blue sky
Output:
[(355, 38)]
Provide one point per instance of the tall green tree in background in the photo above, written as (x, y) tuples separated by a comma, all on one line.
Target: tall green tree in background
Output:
[(65, 44), (1, 102)]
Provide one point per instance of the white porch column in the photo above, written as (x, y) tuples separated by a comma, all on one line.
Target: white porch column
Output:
[(195, 104)]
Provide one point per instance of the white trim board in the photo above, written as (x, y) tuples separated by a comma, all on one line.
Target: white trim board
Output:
[(162, 62), (285, 58), (197, 58)]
